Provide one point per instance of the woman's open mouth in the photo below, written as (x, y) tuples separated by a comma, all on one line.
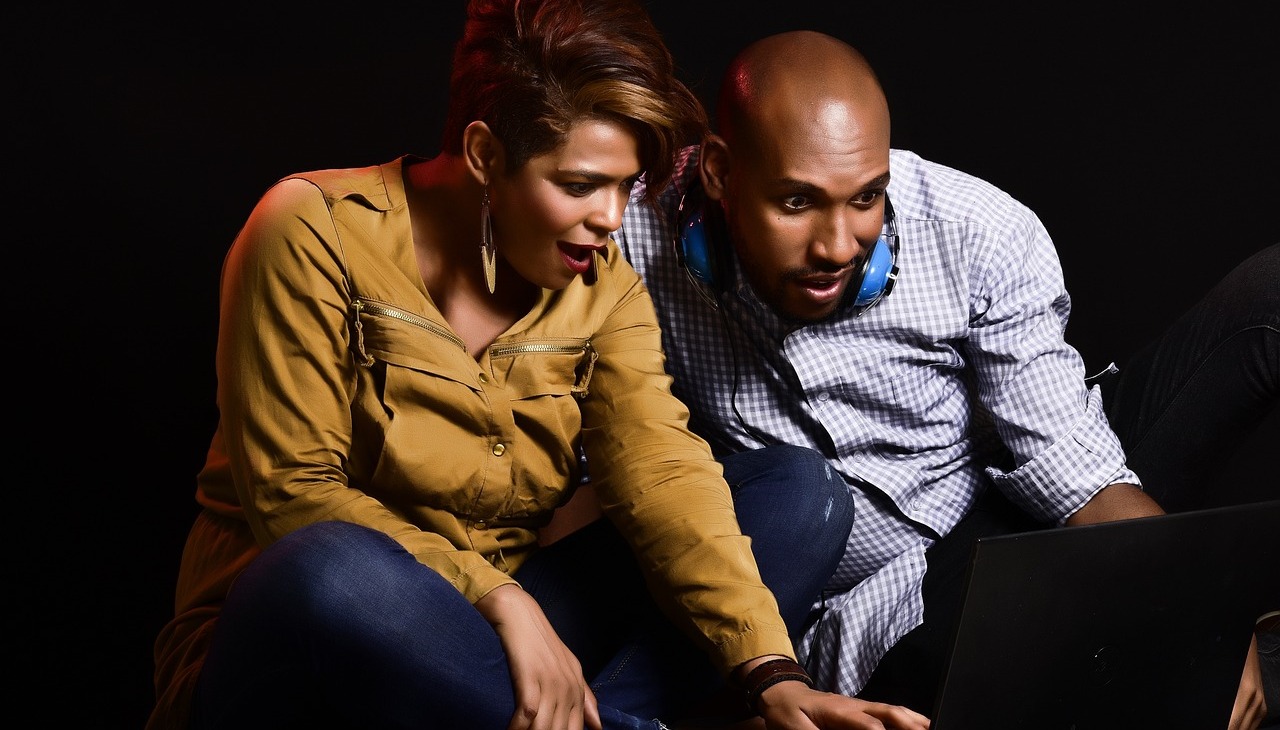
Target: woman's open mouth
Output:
[(576, 257)]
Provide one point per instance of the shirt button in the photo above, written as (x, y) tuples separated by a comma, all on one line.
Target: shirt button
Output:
[(484, 378), (499, 449), (823, 397)]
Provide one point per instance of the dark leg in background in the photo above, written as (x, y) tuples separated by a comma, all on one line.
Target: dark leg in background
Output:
[(1185, 405)]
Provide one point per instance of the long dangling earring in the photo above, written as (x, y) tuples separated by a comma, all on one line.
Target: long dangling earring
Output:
[(488, 254)]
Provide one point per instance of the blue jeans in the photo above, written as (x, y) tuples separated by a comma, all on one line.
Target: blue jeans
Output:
[(1179, 407), (336, 626)]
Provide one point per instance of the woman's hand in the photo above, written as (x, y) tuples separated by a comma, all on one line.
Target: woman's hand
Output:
[(551, 693), (794, 706), (1250, 708)]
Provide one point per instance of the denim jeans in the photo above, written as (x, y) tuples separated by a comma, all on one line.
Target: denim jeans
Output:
[(336, 626), (1179, 407)]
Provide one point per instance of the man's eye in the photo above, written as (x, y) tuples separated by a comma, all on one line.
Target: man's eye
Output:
[(795, 202), (867, 198)]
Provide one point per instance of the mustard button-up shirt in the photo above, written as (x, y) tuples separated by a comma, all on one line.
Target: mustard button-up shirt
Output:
[(345, 395)]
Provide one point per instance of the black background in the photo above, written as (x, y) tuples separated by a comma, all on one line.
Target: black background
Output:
[(140, 137)]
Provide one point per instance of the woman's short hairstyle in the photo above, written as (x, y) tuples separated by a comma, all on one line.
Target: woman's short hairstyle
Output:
[(530, 69)]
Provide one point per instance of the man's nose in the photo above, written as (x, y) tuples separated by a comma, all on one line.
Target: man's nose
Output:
[(836, 243)]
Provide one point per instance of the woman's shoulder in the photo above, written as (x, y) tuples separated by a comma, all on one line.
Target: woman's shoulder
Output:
[(380, 187), (299, 216), (311, 205)]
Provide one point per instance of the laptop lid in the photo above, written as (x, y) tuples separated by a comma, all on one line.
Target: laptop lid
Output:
[(1139, 623)]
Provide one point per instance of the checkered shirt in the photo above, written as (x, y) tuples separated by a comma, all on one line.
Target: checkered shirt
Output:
[(959, 379)]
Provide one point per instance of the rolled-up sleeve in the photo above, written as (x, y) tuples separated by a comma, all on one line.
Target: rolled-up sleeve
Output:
[(1031, 381)]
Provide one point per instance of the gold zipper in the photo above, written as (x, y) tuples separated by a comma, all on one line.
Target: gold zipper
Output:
[(560, 347), (386, 310)]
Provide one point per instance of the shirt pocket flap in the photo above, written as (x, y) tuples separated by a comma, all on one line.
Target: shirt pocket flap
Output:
[(409, 341), (533, 369)]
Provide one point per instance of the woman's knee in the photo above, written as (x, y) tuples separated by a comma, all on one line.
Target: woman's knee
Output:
[(325, 552), (323, 569)]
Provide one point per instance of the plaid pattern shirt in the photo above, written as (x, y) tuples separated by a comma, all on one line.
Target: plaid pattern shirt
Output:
[(958, 380)]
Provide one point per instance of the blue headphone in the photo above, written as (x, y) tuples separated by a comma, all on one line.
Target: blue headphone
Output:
[(705, 261)]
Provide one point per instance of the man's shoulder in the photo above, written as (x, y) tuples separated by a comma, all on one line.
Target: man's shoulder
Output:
[(910, 167), (927, 189)]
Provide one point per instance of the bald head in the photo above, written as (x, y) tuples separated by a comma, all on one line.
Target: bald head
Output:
[(799, 167), (790, 81)]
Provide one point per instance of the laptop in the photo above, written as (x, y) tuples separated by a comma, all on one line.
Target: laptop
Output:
[(1142, 623)]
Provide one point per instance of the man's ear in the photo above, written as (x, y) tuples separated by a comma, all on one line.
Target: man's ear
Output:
[(482, 150), (713, 166)]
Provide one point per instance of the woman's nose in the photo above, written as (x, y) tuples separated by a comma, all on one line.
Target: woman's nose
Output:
[(607, 217)]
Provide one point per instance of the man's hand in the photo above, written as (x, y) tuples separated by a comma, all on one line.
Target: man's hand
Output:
[(794, 706), (551, 693)]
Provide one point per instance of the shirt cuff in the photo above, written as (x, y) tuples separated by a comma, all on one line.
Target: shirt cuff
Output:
[(1064, 477)]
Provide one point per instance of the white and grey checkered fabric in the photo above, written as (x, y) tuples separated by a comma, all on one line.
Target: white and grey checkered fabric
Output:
[(958, 380)]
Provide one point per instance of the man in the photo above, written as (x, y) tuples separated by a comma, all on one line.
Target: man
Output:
[(937, 384)]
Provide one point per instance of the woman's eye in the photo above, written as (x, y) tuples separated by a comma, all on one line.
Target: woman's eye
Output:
[(580, 189)]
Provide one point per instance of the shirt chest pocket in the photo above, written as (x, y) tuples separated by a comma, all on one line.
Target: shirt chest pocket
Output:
[(915, 388), (417, 413), (545, 367), (544, 380)]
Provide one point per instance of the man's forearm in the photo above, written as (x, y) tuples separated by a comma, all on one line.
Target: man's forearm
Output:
[(1116, 502)]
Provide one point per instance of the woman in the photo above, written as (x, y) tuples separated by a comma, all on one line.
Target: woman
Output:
[(411, 359)]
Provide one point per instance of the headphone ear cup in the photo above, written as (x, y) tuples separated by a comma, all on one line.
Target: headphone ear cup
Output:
[(877, 276), (694, 249)]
